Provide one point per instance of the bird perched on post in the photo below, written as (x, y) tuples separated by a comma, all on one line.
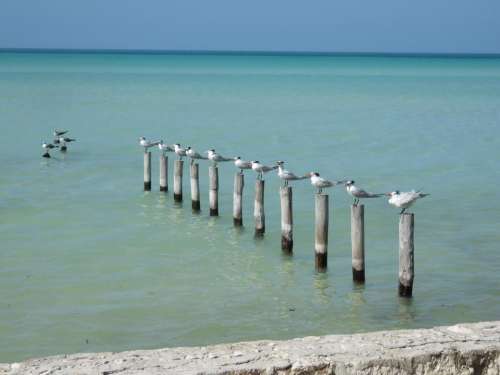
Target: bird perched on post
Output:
[(286, 176), (242, 164), (163, 147), (358, 193), (215, 157), (180, 151), (146, 144), (261, 168), (47, 147), (404, 199), (320, 183), (194, 155)]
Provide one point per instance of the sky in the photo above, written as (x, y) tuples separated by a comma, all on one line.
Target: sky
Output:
[(391, 26)]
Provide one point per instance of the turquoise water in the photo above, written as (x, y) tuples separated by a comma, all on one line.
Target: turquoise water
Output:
[(90, 262)]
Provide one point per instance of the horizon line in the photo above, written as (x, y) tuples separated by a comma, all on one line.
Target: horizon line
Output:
[(244, 52)]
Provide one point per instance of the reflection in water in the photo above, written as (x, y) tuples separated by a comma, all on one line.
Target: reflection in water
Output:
[(288, 271), (322, 285), (407, 311)]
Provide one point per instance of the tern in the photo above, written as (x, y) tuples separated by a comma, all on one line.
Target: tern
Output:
[(215, 157), (58, 133), (287, 175), (320, 183), (261, 168), (194, 155), (47, 147), (358, 193), (404, 199), (242, 164), (146, 144), (163, 147), (62, 141), (180, 151)]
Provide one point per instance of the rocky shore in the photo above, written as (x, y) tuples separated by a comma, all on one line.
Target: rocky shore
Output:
[(459, 349)]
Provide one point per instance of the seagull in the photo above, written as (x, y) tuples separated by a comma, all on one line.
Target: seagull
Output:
[(261, 168), (242, 164), (62, 141), (358, 193), (58, 133), (194, 155), (180, 151), (47, 146), (404, 199), (287, 175), (321, 183), (146, 144), (163, 147), (215, 157)]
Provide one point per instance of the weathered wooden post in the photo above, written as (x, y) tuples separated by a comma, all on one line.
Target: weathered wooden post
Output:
[(178, 170), (147, 171), (321, 232), (195, 187), (258, 211), (239, 182), (406, 272), (358, 242), (163, 172), (213, 192), (286, 219)]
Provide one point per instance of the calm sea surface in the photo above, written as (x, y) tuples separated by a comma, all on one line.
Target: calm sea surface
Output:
[(90, 262)]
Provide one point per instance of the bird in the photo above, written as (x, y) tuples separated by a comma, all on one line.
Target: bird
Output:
[(180, 151), (62, 141), (194, 155), (320, 183), (163, 147), (287, 175), (261, 168), (404, 199), (47, 147), (242, 164), (215, 157), (58, 133), (358, 193), (146, 144)]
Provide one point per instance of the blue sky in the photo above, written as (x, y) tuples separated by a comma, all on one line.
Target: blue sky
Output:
[(446, 26)]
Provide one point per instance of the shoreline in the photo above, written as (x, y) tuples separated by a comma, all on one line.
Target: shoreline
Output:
[(468, 348)]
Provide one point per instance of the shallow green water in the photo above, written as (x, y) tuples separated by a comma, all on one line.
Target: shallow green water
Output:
[(89, 262)]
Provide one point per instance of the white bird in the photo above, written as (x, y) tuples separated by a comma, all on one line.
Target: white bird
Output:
[(47, 147), (194, 155), (58, 133), (358, 193), (215, 157), (242, 164), (320, 183), (404, 199), (261, 168), (163, 147), (287, 175), (146, 144), (63, 140), (180, 151)]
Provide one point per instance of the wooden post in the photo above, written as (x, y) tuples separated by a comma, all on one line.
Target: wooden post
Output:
[(258, 211), (195, 187), (147, 171), (178, 170), (321, 232), (163, 172), (239, 182), (406, 272), (358, 242), (213, 192), (286, 219)]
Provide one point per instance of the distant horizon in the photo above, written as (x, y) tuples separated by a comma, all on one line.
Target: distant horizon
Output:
[(245, 52)]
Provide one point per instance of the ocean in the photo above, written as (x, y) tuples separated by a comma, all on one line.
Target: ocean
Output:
[(90, 262)]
